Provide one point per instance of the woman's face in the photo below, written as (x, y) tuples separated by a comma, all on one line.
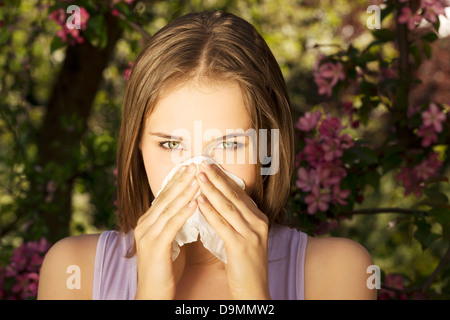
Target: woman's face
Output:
[(192, 117)]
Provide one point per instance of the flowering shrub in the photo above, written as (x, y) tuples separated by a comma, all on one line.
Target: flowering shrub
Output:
[(336, 160), (19, 279), (323, 171), (64, 33), (92, 24)]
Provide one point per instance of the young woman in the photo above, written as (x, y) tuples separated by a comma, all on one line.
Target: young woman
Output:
[(213, 69)]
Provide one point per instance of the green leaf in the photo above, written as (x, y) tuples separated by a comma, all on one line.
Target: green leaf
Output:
[(123, 7), (438, 196), (360, 155), (386, 11), (424, 235), (364, 58), (437, 25), (427, 49), (96, 31), (442, 216), (369, 47), (372, 178), (430, 37), (56, 44), (384, 35), (352, 52)]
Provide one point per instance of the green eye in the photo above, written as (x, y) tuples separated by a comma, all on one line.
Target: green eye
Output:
[(171, 145), (228, 144)]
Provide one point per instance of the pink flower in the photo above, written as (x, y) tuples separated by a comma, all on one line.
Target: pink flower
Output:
[(125, 1), (24, 267), (324, 86), (331, 173), (408, 17), (312, 152), (325, 168), (423, 171), (26, 285), (317, 200), (433, 9), (433, 161), (339, 195), (127, 73), (59, 16), (413, 179), (348, 108), (428, 167), (331, 71), (331, 149), (410, 182), (433, 117), (412, 110), (330, 127), (327, 75), (347, 141), (428, 136), (308, 121), (306, 179), (394, 282)]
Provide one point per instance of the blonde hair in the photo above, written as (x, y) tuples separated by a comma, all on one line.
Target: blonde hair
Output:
[(205, 47)]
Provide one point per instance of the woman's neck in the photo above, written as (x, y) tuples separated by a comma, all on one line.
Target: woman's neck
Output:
[(196, 254)]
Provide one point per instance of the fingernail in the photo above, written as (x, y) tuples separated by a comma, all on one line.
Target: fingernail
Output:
[(202, 176), (206, 165), (191, 204), (181, 169), (194, 181), (201, 199), (191, 168)]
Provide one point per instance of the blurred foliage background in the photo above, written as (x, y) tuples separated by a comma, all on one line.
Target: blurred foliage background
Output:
[(60, 110)]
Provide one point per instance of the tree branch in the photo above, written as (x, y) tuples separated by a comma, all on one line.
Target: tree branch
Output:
[(436, 271), (385, 210), (135, 26)]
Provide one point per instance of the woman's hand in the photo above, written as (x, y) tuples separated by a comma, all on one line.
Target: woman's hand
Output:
[(155, 232), (242, 227)]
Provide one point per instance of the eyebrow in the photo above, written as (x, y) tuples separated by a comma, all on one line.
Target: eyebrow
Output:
[(168, 136)]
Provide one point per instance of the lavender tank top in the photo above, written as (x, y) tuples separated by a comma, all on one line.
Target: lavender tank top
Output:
[(115, 276)]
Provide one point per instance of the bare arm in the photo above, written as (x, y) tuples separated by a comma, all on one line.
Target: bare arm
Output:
[(335, 268), (69, 263)]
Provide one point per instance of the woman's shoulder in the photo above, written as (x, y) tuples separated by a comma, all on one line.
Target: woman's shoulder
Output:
[(68, 268), (336, 268)]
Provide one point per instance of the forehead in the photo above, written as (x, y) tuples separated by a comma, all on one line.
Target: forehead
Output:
[(220, 106)]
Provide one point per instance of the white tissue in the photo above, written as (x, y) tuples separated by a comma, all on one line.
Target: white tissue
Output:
[(197, 224)]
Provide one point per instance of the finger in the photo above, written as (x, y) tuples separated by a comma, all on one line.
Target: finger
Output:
[(233, 192), (177, 181), (176, 188), (167, 233), (222, 205), (223, 228), (174, 208)]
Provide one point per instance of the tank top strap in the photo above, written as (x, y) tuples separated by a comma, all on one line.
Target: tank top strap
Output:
[(115, 275), (287, 249)]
